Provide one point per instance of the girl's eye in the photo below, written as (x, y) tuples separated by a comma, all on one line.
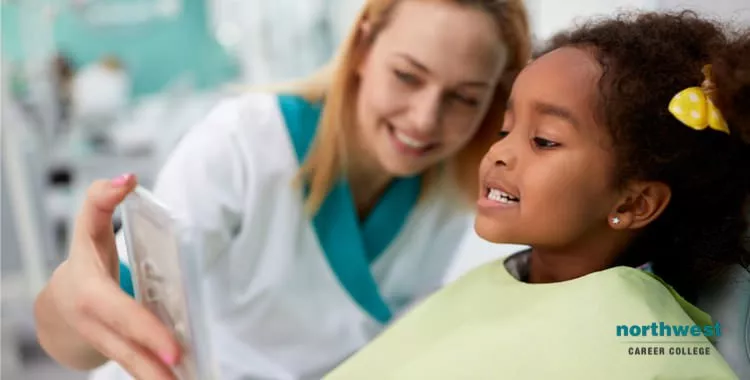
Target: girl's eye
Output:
[(502, 134), (544, 143)]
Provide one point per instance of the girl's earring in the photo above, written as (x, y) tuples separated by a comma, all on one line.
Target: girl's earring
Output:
[(616, 220)]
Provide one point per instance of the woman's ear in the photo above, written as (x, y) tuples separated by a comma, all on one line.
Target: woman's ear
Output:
[(364, 44), (365, 31), (642, 203)]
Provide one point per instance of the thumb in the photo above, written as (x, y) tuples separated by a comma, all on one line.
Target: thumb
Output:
[(102, 199)]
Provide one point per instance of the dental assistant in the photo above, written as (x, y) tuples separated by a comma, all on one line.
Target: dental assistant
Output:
[(326, 209)]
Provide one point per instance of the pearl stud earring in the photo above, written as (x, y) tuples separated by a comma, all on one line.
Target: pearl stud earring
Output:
[(616, 220)]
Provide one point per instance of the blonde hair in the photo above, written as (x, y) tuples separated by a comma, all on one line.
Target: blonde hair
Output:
[(337, 83)]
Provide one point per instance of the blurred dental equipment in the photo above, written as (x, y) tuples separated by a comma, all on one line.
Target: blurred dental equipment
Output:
[(112, 13), (311, 33), (100, 93)]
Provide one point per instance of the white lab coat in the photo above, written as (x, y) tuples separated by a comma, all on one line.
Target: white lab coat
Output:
[(276, 306)]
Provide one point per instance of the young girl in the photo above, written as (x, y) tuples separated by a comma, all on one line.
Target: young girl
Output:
[(625, 143), (298, 277)]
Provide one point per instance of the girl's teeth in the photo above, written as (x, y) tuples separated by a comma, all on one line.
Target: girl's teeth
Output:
[(499, 196), (409, 141)]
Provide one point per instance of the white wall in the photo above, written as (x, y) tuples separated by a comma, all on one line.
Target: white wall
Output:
[(550, 16), (732, 10)]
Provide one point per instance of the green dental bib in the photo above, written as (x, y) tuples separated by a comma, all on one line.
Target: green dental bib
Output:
[(489, 325)]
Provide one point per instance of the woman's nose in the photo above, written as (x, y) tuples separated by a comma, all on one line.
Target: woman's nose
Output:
[(425, 112)]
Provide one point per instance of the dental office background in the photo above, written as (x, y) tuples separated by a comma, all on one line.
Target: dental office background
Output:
[(93, 88)]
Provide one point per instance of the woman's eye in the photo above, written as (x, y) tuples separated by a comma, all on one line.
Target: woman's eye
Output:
[(502, 134), (471, 102), (544, 143), (406, 77)]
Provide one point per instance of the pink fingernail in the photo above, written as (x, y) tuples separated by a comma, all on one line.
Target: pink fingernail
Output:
[(168, 359), (121, 180)]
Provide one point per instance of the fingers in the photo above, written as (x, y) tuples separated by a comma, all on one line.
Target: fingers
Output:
[(137, 361), (122, 314), (101, 201)]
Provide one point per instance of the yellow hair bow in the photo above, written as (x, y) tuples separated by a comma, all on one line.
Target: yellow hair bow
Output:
[(694, 108)]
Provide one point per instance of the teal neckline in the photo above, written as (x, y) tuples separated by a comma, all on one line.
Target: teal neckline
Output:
[(350, 246)]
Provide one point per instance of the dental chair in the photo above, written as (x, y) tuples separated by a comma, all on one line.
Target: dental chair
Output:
[(728, 303)]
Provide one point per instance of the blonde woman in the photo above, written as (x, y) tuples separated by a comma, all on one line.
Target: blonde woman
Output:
[(328, 208)]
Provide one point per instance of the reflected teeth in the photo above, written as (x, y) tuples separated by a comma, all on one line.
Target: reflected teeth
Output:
[(409, 141), (502, 197)]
